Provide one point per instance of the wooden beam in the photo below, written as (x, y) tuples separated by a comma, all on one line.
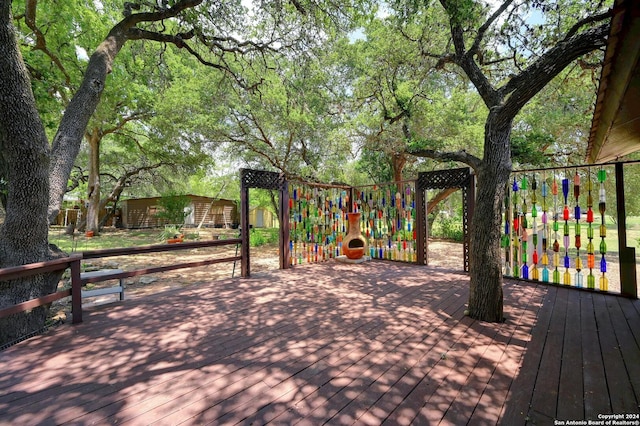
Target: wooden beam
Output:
[(245, 271), (156, 248), (13, 272), (627, 255), (34, 303), (283, 238)]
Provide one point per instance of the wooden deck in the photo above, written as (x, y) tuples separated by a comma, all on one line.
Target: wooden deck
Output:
[(377, 343)]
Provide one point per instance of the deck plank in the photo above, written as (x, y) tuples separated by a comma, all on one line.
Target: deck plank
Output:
[(494, 365), (452, 304), (570, 389), (518, 403), (620, 390), (491, 406), (381, 342), (628, 346), (544, 402), (593, 367), (375, 382), (629, 309)]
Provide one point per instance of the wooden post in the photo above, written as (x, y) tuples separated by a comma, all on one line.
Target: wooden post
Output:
[(76, 291), (244, 228), (284, 226), (422, 228), (627, 255), (353, 193)]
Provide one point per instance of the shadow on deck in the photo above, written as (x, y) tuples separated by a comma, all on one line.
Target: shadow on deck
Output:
[(366, 344)]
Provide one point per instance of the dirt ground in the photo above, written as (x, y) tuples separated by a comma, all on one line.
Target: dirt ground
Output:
[(441, 253)]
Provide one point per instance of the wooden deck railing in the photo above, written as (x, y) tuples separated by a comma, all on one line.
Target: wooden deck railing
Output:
[(73, 262), (96, 254), (31, 269)]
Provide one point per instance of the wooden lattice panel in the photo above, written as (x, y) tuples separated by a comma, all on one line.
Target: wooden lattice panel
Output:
[(443, 179), (454, 178), (261, 179)]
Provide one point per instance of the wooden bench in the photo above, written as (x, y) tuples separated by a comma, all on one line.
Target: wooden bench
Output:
[(102, 275)]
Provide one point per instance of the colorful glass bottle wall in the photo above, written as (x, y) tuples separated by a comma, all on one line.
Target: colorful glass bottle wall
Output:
[(388, 220), (546, 214), (317, 222)]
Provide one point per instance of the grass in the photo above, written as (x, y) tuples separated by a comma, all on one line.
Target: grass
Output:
[(633, 233), (106, 240), (262, 236), (633, 222), (142, 237)]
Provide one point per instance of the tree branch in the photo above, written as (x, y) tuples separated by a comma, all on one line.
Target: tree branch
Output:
[(588, 20), (179, 40), (464, 59), (138, 115), (77, 178), (461, 156), (529, 82), (41, 43), (132, 19), (483, 29), (440, 196)]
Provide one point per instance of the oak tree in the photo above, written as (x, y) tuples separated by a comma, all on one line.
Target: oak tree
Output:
[(509, 54)]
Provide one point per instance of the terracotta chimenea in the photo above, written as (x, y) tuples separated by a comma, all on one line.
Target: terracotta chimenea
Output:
[(354, 245)]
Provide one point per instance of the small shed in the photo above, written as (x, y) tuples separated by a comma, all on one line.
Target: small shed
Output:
[(259, 217), (210, 212), (67, 216)]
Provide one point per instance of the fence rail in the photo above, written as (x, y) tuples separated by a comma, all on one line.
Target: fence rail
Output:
[(73, 262), (22, 271)]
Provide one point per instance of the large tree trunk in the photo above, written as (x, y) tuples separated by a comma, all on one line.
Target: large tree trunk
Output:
[(37, 177), (93, 210), (398, 161), (66, 143), (25, 151), (485, 256), (73, 125)]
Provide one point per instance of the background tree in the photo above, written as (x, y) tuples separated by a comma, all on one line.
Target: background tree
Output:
[(215, 33), (292, 123), (400, 100), (174, 208), (552, 129)]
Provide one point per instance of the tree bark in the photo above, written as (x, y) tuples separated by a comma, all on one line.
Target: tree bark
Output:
[(485, 256), (398, 161), (25, 151), (93, 195), (66, 142)]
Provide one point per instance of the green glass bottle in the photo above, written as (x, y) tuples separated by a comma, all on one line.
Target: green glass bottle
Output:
[(602, 175), (591, 281), (603, 247)]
